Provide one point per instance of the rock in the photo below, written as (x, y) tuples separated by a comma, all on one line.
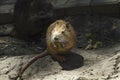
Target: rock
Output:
[(75, 7), (98, 64), (69, 3), (105, 7), (102, 2), (66, 8), (6, 29), (6, 11), (105, 69), (32, 17)]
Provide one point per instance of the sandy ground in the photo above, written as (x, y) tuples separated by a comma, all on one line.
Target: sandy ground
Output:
[(99, 64)]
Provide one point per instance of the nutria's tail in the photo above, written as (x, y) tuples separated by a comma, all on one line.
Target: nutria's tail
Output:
[(43, 54)]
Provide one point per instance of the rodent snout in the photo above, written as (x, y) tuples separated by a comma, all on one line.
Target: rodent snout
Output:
[(56, 38)]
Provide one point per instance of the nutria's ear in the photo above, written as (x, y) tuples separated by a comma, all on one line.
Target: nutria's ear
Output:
[(57, 22), (67, 25)]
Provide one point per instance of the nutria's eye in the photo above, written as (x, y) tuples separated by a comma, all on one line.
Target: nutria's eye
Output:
[(57, 22), (67, 25), (63, 32)]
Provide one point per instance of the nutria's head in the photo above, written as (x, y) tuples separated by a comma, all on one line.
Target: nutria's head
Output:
[(62, 36)]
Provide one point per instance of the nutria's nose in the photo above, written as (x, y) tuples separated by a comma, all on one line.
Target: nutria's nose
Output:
[(56, 38)]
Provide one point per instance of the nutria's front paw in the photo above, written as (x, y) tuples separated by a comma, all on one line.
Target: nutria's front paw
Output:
[(60, 58)]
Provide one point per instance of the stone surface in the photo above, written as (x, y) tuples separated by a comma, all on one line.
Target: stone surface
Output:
[(101, 2), (6, 11), (69, 3), (101, 64), (66, 7)]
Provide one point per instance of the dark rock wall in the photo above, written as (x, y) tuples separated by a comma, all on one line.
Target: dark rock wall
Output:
[(87, 15)]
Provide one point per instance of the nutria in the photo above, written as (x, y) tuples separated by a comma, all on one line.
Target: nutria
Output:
[(60, 39)]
